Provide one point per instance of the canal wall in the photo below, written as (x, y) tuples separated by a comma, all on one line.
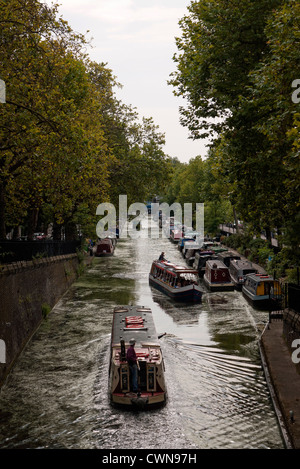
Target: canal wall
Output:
[(29, 290), (291, 334)]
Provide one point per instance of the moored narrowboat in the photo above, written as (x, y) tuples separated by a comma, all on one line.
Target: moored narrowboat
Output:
[(216, 276), (227, 256), (262, 291), (238, 269), (201, 257), (176, 234), (189, 249), (188, 236), (104, 247), (136, 322), (178, 282)]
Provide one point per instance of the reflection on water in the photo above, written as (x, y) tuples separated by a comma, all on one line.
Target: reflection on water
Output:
[(56, 395)]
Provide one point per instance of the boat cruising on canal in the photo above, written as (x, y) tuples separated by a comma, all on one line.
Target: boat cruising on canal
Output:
[(136, 322), (262, 291), (238, 269), (104, 247), (216, 276), (178, 282)]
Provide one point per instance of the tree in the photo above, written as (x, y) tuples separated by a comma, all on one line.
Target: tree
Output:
[(237, 62), (40, 57), (221, 43)]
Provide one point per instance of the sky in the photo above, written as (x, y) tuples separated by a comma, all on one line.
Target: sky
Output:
[(136, 38)]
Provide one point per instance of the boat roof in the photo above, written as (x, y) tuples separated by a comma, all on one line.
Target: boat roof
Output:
[(105, 241), (242, 263), (261, 277), (226, 253), (133, 322), (216, 264), (191, 245), (175, 268)]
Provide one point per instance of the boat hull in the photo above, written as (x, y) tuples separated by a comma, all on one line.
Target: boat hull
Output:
[(142, 401), (263, 302), (218, 286), (185, 294), (104, 254), (237, 286)]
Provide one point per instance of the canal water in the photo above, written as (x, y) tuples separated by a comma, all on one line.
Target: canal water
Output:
[(56, 395)]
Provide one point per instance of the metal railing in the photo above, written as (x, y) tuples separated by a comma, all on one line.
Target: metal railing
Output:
[(15, 251)]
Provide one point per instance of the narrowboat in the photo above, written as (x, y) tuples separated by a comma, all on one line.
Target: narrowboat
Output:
[(136, 322), (179, 283), (216, 276), (189, 252), (188, 246), (175, 235), (190, 236), (262, 291), (104, 247), (200, 260), (227, 256), (238, 269)]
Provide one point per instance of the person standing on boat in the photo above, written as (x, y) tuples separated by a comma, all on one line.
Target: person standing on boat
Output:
[(132, 362), (162, 257)]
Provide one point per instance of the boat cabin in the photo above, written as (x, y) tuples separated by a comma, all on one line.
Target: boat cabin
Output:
[(238, 270), (216, 276), (175, 276), (190, 237), (176, 234), (227, 256), (201, 257), (104, 247), (178, 282), (262, 291), (189, 250)]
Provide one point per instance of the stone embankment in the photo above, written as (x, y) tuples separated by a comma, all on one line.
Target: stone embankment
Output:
[(29, 290)]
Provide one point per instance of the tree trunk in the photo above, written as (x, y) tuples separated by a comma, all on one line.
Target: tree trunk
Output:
[(70, 231), (32, 222), (236, 220), (56, 233)]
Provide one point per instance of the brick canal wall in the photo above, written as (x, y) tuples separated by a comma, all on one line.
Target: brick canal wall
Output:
[(28, 291)]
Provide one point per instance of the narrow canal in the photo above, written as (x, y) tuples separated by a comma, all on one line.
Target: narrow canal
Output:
[(56, 395)]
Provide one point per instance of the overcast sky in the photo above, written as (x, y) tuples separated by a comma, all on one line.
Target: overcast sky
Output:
[(136, 40)]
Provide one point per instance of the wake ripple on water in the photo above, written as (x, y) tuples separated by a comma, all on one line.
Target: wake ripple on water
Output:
[(219, 397)]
